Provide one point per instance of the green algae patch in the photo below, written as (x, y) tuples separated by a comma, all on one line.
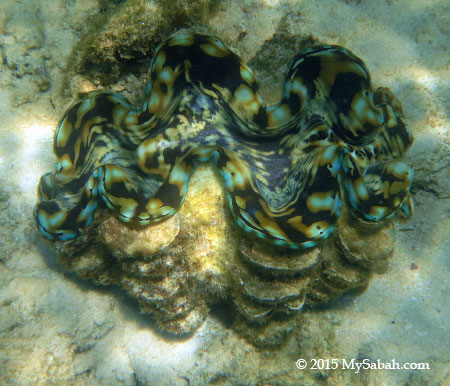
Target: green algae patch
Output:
[(124, 34)]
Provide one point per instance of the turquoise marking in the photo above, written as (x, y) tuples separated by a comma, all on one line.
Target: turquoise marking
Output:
[(380, 213), (211, 121), (99, 174), (52, 222), (101, 188), (205, 154), (91, 213), (369, 216), (336, 165), (328, 231), (227, 177), (114, 173), (322, 204), (154, 99), (279, 114), (247, 217), (309, 244), (165, 75), (85, 106), (88, 212), (245, 227), (329, 152), (337, 206), (148, 89), (400, 168), (45, 233), (66, 235), (352, 197), (244, 95), (362, 191), (287, 89), (180, 39), (405, 209)]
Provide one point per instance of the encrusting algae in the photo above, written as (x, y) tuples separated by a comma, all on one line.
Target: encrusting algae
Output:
[(179, 268)]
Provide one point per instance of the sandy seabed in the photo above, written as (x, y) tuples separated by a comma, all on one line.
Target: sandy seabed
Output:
[(56, 328)]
